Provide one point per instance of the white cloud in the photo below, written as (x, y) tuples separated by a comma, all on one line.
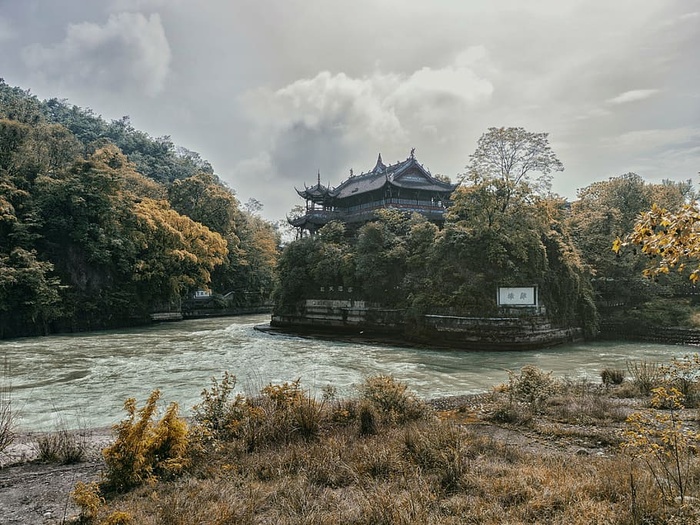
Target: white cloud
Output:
[(328, 85), (130, 53), (661, 139), (632, 96)]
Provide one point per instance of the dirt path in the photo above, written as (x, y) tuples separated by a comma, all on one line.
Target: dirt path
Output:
[(39, 493)]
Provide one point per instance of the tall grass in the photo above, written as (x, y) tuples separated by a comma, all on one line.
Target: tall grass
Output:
[(284, 457), (8, 418)]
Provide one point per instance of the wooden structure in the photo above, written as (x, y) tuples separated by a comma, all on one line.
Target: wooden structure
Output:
[(405, 186)]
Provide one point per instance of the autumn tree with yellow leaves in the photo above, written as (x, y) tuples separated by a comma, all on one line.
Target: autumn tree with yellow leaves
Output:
[(670, 240), (100, 224)]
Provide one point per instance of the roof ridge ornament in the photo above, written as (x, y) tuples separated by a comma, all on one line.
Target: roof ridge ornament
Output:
[(380, 166), (413, 153)]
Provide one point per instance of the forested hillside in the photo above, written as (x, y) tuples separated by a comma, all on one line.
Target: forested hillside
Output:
[(101, 224)]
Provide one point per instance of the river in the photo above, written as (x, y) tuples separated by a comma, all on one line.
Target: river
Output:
[(82, 380)]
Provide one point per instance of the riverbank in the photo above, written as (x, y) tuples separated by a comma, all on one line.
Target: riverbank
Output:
[(469, 460), (461, 340), (38, 492), (34, 492)]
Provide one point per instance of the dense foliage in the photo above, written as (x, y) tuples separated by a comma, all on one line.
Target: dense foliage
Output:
[(505, 228), (499, 232), (607, 210), (100, 224), (670, 239)]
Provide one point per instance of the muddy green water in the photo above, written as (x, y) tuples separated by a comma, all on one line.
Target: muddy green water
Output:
[(82, 380)]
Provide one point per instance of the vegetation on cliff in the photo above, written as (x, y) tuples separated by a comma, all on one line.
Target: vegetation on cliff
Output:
[(100, 224)]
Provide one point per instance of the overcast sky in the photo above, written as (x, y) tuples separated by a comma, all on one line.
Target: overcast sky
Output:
[(272, 91)]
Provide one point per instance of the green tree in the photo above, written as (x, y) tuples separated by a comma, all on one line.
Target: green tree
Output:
[(607, 210), (294, 270), (483, 247), (29, 298), (335, 263), (174, 253), (380, 262), (204, 199), (19, 105), (251, 273), (506, 160)]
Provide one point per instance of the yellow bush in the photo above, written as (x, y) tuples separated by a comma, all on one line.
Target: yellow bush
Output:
[(663, 443), (118, 518), (392, 399), (87, 497), (145, 450)]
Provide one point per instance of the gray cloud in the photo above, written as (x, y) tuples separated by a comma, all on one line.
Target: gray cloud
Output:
[(270, 92), (323, 122), (130, 52), (6, 31)]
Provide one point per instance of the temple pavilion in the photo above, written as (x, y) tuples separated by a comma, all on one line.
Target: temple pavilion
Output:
[(406, 186)]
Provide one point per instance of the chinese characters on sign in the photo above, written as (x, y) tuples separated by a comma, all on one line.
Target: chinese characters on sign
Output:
[(517, 296)]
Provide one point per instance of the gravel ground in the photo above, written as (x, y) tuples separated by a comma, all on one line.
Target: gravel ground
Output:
[(32, 492)]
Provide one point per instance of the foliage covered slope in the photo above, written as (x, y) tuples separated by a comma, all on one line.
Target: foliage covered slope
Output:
[(100, 224)]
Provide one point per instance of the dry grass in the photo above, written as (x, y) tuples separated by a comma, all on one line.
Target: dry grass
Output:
[(8, 418), (61, 446), (413, 467), (429, 472)]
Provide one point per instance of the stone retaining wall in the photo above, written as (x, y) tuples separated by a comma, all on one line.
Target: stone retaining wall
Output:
[(654, 334), (479, 333)]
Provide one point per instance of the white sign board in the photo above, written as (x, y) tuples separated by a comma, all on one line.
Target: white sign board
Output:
[(517, 296)]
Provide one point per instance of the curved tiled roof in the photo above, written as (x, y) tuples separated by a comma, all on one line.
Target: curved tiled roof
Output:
[(406, 174), (317, 192)]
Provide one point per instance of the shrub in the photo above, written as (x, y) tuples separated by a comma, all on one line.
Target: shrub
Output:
[(283, 412), (512, 413), (88, 498), (7, 416), (118, 518), (218, 416), (145, 450), (61, 446), (368, 419), (308, 417), (344, 412), (663, 443), (392, 399), (646, 375), (682, 374), (532, 386), (612, 376)]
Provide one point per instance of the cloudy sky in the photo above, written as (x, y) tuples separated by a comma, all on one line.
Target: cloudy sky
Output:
[(272, 91)]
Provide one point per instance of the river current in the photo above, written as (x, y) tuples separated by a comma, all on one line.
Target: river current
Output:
[(82, 380)]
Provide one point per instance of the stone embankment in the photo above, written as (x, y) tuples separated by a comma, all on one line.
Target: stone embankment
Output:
[(356, 318), (653, 334)]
